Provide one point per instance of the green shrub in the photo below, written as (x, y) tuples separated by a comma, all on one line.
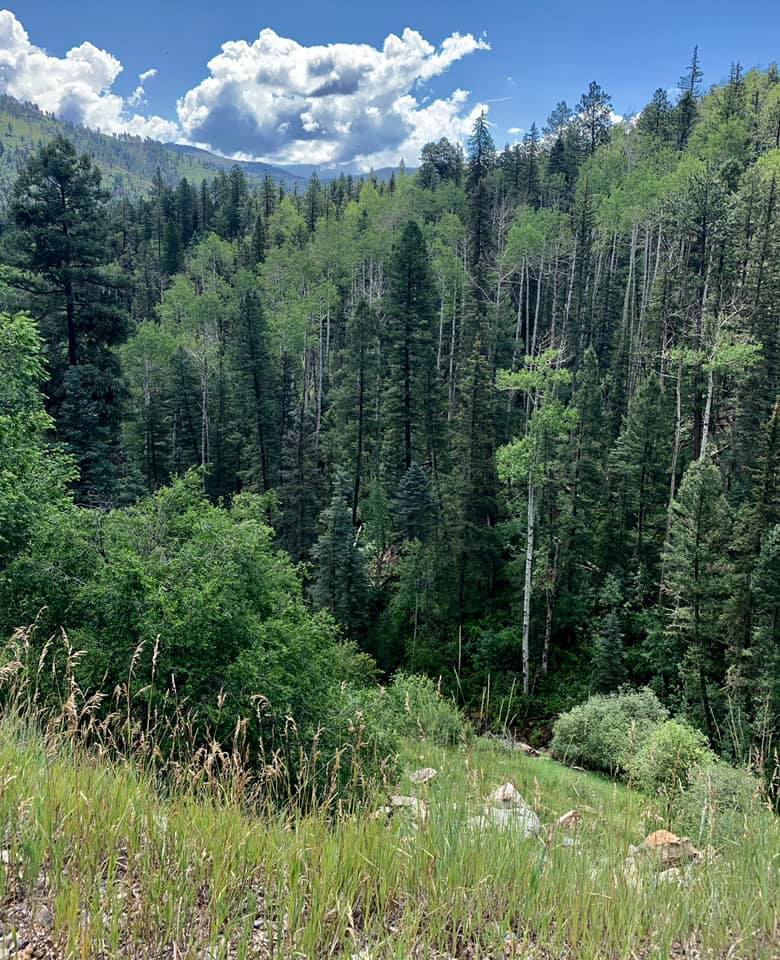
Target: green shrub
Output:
[(413, 707), (190, 610), (668, 757), (718, 801), (606, 731)]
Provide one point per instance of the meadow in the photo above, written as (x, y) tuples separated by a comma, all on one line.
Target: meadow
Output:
[(99, 860)]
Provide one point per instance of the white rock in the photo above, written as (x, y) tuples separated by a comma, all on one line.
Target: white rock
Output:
[(417, 807), (508, 796), (519, 819), (423, 775)]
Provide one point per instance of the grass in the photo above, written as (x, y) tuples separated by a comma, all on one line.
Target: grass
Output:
[(100, 863)]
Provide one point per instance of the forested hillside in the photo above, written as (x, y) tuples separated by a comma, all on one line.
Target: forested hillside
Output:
[(514, 418), (128, 163)]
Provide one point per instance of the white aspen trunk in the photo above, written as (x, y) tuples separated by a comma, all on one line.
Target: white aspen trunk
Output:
[(705, 429), (554, 308), (551, 585), (538, 303), (529, 559), (569, 292), (628, 326), (518, 328), (320, 365), (451, 374), (441, 332), (673, 478), (527, 309), (204, 414)]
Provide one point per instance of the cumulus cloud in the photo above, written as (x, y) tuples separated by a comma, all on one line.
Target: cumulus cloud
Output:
[(271, 99), (279, 100), (76, 87)]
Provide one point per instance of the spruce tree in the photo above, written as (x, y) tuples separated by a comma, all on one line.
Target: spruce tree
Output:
[(61, 248), (608, 661), (694, 588), (410, 362), (341, 583), (413, 505), (594, 116)]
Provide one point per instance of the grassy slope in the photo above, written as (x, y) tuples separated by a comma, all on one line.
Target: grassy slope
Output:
[(126, 874)]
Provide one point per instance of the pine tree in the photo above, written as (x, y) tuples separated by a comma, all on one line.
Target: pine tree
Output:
[(60, 242), (410, 363), (481, 161), (687, 105), (594, 116), (639, 465), (341, 583), (695, 584), (413, 505), (608, 661), (259, 240), (656, 120)]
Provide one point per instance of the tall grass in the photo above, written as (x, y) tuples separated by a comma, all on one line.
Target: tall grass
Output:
[(134, 855)]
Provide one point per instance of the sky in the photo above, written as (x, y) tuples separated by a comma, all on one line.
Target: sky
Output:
[(336, 83)]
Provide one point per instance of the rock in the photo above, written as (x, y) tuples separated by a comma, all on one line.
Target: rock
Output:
[(381, 813), (527, 749), (43, 917), (507, 795), (423, 775), (668, 849), (417, 807), (568, 821), (663, 851), (519, 819), (568, 841)]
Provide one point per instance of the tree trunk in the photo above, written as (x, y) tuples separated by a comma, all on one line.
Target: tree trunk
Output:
[(529, 559)]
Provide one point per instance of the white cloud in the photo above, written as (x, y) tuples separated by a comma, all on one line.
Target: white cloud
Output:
[(516, 130), (269, 99), (138, 95), (279, 100), (76, 87)]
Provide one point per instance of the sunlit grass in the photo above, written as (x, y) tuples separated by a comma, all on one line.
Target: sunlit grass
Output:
[(128, 873)]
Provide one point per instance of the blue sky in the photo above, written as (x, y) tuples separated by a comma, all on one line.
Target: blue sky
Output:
[(277, 99)]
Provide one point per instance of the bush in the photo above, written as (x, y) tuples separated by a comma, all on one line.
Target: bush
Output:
[(412, 707), (667, 758), (604, 732), (718, 800), (189, 609)]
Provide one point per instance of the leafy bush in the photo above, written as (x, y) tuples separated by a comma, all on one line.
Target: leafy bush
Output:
[(604, 732), (717, 801), (413, 707), (190, 610), (667, 758)]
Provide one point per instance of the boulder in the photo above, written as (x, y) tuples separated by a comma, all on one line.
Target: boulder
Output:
[(518, 819), (668, 849)]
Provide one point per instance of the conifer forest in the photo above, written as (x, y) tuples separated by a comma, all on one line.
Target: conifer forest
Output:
[(509, 420)]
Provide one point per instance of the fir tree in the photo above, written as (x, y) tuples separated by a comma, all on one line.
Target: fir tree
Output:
[(60, 242), (341, 583), (608, 661)]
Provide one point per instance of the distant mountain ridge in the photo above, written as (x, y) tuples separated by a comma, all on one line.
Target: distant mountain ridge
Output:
[(129, 163)]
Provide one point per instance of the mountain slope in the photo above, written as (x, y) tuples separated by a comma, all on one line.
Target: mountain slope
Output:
[(128, 163)]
